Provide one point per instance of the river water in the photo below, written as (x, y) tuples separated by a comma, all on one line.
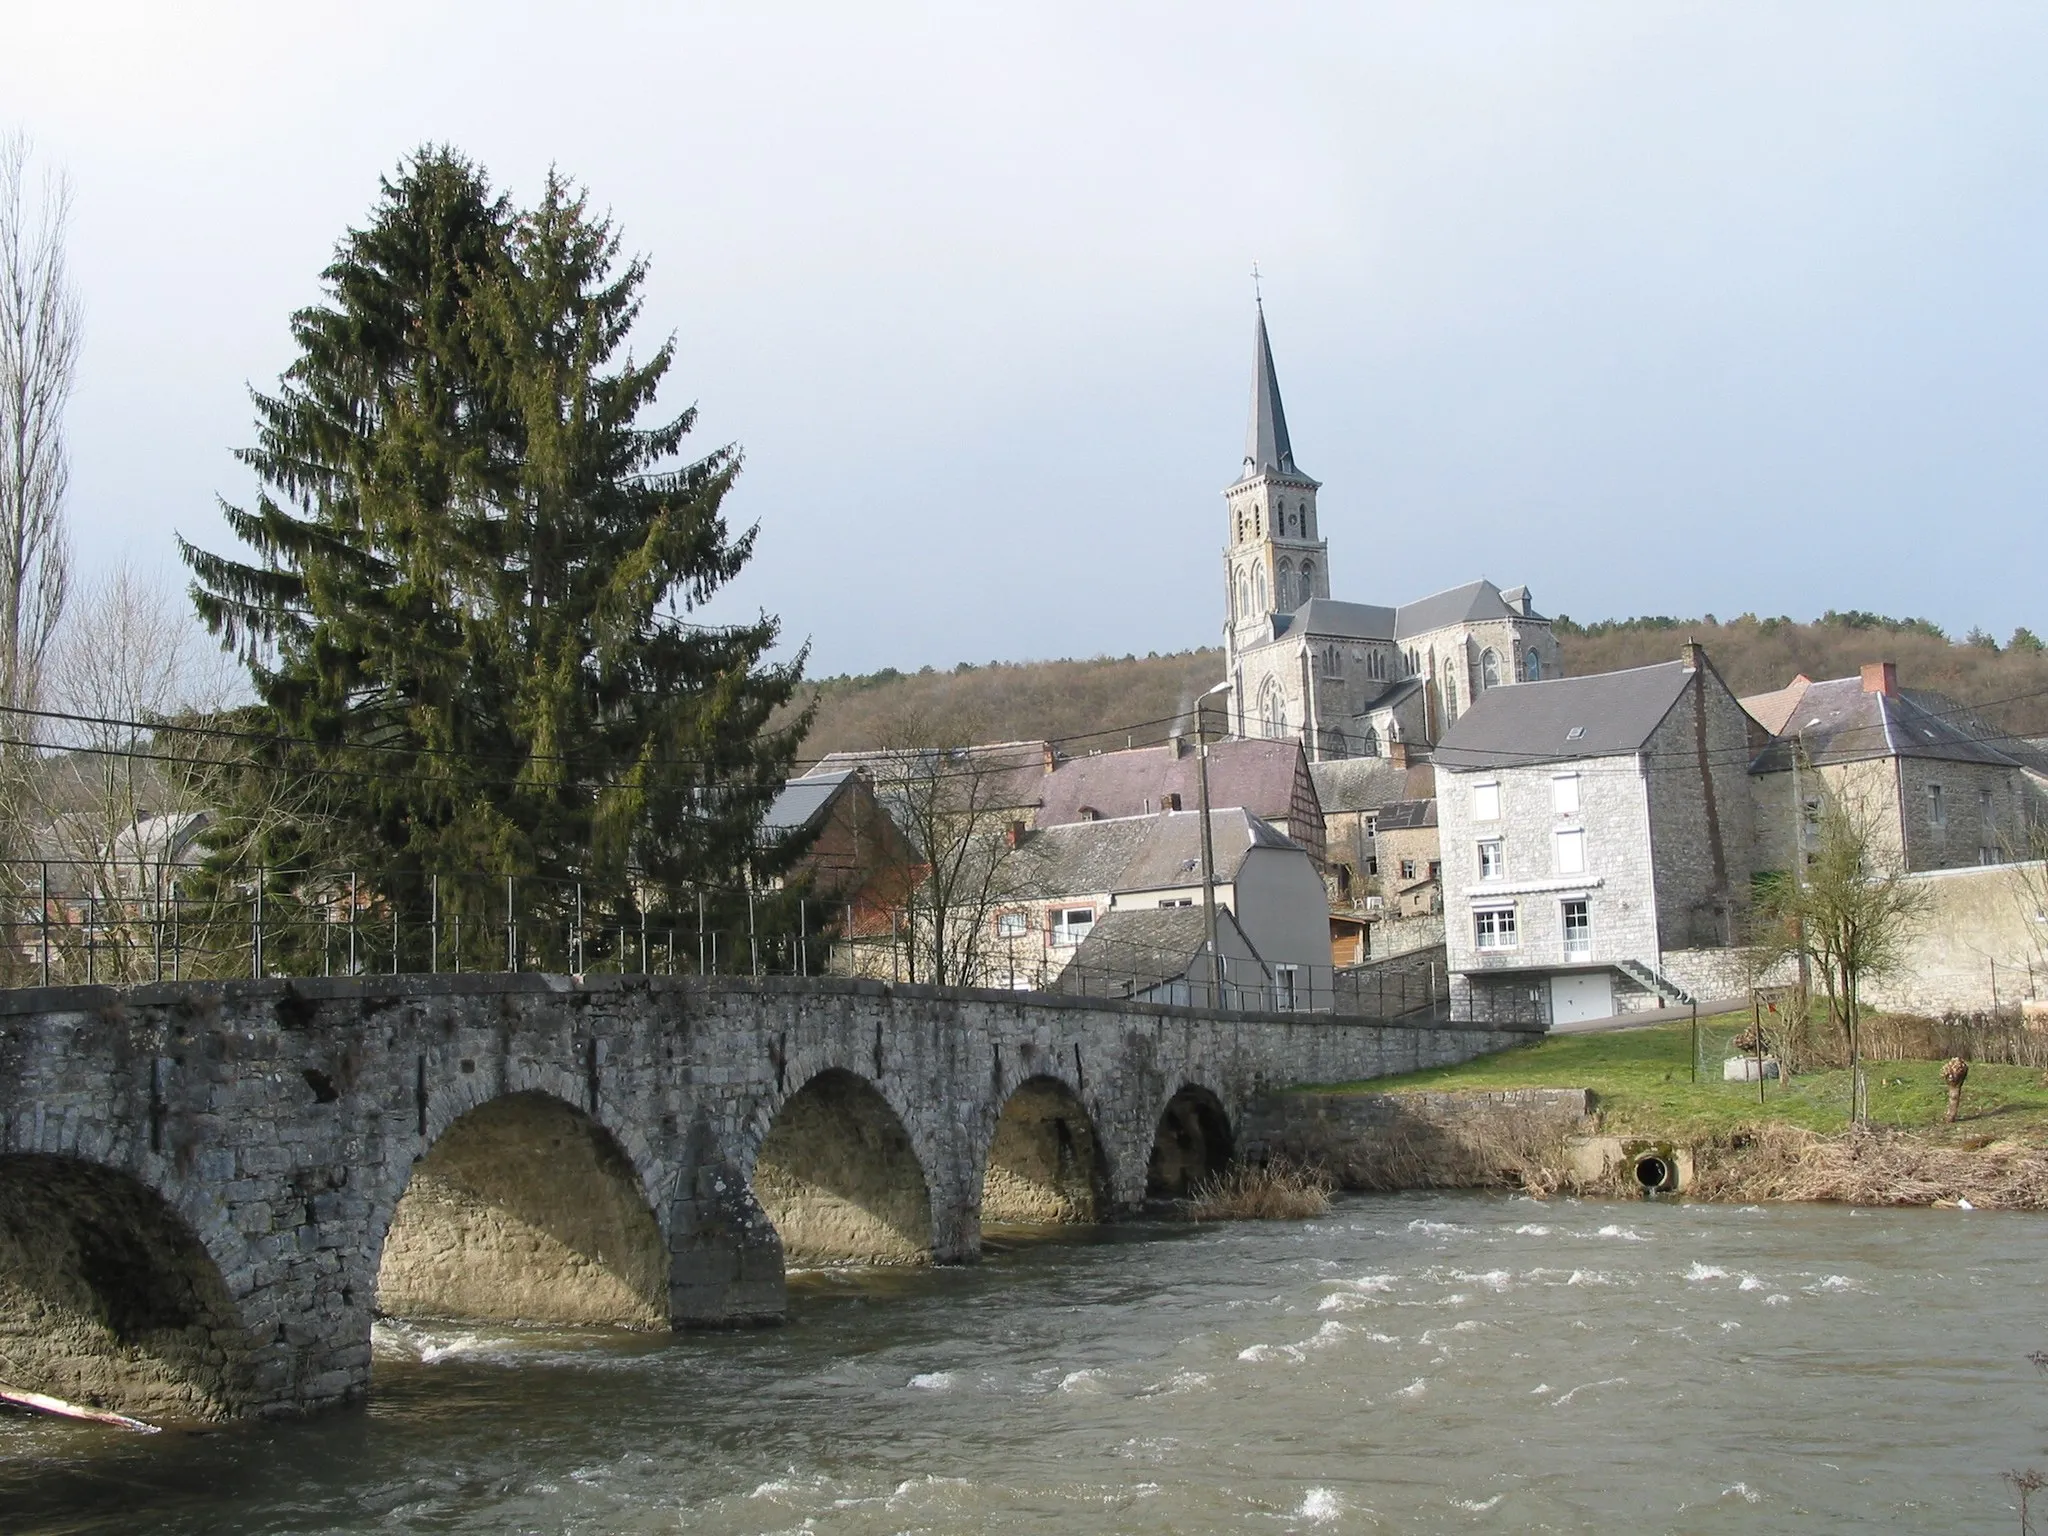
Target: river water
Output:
[(1409, 1363)]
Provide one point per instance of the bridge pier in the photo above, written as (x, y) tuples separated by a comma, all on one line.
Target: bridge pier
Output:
[(261, 1168)]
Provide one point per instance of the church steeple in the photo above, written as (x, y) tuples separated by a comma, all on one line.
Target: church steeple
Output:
[(1266, 447)]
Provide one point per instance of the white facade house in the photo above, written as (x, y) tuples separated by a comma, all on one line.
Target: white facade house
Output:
[(1597, 842)]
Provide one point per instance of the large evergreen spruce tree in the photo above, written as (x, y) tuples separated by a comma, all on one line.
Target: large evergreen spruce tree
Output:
[(462, 606)]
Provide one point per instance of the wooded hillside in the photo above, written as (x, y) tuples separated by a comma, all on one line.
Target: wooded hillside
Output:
[(1109, 701)]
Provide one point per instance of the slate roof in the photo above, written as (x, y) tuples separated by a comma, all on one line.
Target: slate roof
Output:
[(1367, 783), (803, 801), (1839, 721), (1001, 774), (1141, 853), (1474, 601), (1407, 815), (1328, 618), (1267, 449), (1612, 712), (1258, 775), (1148, 947)]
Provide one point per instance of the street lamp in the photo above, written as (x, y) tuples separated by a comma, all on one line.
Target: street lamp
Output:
[(1208, 848)]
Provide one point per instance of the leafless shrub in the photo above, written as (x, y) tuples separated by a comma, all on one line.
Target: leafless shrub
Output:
[(1781, 1162)]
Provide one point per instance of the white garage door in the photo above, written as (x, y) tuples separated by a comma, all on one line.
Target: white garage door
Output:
[(1587, 996)]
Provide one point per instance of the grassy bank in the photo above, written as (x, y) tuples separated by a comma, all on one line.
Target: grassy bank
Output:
[(1643, 1080), (1794, 1144)]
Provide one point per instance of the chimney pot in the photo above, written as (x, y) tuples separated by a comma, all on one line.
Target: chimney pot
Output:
[(1881, 677)]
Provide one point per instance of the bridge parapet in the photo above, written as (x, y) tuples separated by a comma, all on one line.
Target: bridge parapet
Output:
[(278, 1125)]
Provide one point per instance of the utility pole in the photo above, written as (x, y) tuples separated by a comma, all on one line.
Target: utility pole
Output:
[(1208, 849)]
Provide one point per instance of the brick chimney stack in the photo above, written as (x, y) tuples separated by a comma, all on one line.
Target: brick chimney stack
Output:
[(1052, 757), (1881, 677)]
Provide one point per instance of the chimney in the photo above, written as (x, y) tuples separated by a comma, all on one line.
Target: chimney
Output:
[(1052, 757), (1881, 677), (1694, 655), (1180, 743), (1013, 834), (1397, 753)]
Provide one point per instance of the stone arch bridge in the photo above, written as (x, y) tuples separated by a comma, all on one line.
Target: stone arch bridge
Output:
[(208, 1190)]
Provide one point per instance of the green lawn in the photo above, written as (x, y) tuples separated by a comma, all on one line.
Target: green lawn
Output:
[(1643, 1081)]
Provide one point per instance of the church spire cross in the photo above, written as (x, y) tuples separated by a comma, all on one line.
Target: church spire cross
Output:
[(1266, 448)]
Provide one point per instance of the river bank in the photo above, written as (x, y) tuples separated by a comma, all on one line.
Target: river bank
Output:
[(1570, 1114)]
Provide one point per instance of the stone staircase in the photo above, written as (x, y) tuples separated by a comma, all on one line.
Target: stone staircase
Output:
[(1649, 976)]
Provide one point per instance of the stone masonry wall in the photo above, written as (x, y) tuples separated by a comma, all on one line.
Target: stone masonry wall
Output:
[(279, 1124)]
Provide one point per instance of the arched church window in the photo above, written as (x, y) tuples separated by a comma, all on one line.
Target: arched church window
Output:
[(1283, 588), (1450, 690), (1272, 714), (1369, 743), (1308, 580), (1301, 519), (1532, 667), (1489, 668), (1259, 590)]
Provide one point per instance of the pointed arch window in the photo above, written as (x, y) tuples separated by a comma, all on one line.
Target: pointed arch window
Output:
[(1370, 742), (1489, 669), (1259, 590), (1532, 667), (1283, 587), (1450, 690), (1308, 580)]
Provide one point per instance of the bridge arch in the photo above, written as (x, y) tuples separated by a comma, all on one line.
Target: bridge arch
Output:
[(835, 1169), (111, 1295), (525, 1207), (1194, 1139), (1045, 1163)]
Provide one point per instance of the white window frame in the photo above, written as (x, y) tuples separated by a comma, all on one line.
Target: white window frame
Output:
[(1584, 948), (1574, 840), (1065, 932), (1486, 801), (1493, 859), (1495, 928), (1286, 994), (1012, 925), (1564, 794), (1937, 813)]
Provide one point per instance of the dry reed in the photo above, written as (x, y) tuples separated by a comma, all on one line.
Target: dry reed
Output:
[(1782, 1162), (1277, 1190)]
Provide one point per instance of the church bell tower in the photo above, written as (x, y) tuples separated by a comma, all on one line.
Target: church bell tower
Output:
[(1275, 560)]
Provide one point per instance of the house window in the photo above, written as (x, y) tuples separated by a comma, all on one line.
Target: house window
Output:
[(1010, 925), (1070, 925), (1486, 802), (1489, 668), (1407, 869), (1283, 987), (1578, 930), (1494, 928), (1173, 901), (1987, 809), (1372, 827), (1936, 816), (1492, 864), (1343, 882), (1571, 852), (1372, 865), (1532, 668), (1564, 794)]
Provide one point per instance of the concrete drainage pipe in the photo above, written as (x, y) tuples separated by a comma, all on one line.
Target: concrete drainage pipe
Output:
[(1656, 1173)]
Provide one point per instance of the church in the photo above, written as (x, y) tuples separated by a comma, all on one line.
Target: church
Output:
[(1348, 679)]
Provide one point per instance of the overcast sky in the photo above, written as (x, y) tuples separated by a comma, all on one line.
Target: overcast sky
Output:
[(1656, 308)]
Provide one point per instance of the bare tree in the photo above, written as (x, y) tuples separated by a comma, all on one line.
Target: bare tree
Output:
[(1850, 909), (39, 342), (958, 810), (124, 799)]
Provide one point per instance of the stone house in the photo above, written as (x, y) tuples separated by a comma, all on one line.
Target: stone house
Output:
[(1078, 873), (1344, 678), (1597, 837), (1355, 793), (1271, 779), (1411, 871), (1939, 787)]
